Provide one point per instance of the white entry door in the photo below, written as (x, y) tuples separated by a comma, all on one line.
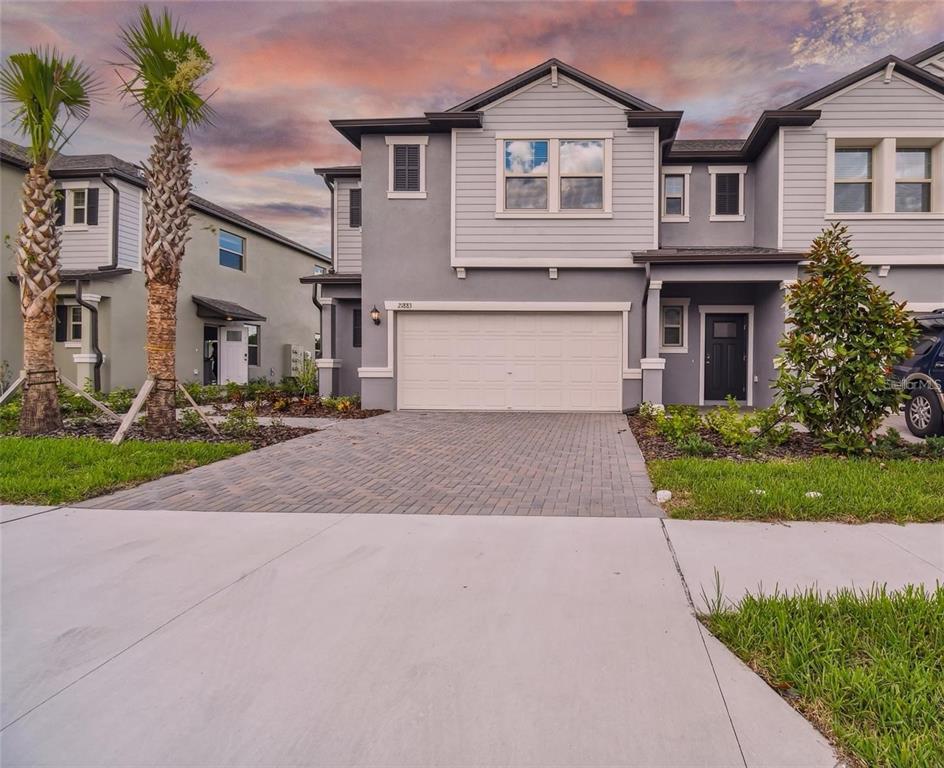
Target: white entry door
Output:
[(234, 354), (518, 361)]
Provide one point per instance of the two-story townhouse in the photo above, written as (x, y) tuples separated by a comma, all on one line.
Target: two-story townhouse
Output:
[(550, 245), (241, 313)]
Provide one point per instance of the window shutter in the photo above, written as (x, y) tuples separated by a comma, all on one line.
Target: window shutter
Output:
[(356, 324), (62, 320), (355, 204), (60, 207), (726, 194), (91, 206), (406, 167)]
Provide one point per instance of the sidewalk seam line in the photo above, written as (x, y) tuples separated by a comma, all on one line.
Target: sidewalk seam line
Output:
[(701, 636), (33, 514), (905, 549), (174, 618)]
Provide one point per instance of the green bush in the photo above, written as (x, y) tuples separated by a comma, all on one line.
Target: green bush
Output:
[(239, 422), (678, 422), (695, 445), (342, 403), (773, 428), (845, 333), (190, 419), (308, 378), (202, 394), (119, 400), (10, 416), (731, 425)]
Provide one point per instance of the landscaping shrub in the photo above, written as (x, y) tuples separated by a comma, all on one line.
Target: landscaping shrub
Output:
[(845, 333), (10, 416), (342, 403), (678, 422), (731, 425), (119, 400), (238, 422), (190, 419), (308, 378), (695, 445)]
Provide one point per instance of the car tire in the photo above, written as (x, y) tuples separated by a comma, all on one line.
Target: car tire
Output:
[(923, 413)]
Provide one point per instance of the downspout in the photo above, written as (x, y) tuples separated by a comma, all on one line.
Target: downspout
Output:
[(114, 222), (93, 335)]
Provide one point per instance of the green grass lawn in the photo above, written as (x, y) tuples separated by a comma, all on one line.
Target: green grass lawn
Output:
[(867, 669), (856, 490), (47, 470)]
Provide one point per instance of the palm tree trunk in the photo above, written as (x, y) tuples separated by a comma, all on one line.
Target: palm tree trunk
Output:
[(167, 201), (37, 265), (161, 339)]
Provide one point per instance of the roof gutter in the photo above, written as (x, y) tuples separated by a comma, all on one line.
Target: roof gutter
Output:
[(116, 195)]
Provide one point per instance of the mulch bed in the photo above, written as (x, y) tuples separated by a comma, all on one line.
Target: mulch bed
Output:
[(259, 437), (799, 446), (309, 408)]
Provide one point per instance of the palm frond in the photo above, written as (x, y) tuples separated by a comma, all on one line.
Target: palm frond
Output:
[(51, 96), (163, 71)]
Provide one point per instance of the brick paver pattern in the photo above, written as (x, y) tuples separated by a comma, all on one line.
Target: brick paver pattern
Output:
[(430, 463)]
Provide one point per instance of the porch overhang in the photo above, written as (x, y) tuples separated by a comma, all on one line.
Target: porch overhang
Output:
[(717, 256), (227, 311)]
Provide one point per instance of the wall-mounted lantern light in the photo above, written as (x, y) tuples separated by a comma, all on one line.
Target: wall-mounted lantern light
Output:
[(375, 315)]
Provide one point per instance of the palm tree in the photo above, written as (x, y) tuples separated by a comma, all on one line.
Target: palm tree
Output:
[(49, 94), (165, 67)]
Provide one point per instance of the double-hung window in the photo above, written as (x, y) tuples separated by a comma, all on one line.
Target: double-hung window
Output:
[(78, 207), (581, 174), (252, 337), (852, 188), (527, 169), (563, 176), (673, 326), (912, 180), (232, 250), (675, 186), (69, 323)]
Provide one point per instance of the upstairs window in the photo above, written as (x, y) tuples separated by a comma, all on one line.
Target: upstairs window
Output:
[(581, 175), (407, 166), (354, 202), (674, 195), (526, 175), (913, 180), (727, 192), (77, 207), (232, 250), (852, 190), (567, 176)]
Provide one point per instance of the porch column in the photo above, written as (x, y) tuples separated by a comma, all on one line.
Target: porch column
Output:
[(328, 366), (85, 359), (652, 365)]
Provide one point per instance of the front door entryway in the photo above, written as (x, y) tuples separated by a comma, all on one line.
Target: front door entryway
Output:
[(234, 354), (725, 356), (211, 354)]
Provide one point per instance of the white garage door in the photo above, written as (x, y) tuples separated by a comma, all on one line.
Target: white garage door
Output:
[(519, 361)]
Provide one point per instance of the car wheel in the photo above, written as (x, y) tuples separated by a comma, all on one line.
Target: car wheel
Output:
[(923, 413)]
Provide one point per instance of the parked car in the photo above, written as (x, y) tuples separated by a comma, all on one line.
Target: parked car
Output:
[(922, 375)]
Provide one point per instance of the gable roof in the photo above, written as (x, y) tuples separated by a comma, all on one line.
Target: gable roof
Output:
[(543, 69), (900, 66), (927, 53), (77, 166)]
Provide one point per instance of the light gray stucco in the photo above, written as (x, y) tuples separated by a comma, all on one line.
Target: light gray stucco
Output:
[(699, 231)]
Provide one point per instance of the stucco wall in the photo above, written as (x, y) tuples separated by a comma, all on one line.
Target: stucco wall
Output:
[(698, 231)]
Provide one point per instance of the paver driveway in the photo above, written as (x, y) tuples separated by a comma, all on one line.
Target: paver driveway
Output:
[(435, 463)]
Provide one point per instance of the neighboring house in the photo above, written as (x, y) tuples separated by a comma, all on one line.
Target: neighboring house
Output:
[(549, 245), (240, 313)]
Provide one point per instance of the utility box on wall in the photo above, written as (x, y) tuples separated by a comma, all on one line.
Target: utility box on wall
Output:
[(295, 356)]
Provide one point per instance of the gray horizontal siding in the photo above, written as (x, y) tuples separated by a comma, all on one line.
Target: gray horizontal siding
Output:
[(90, 247), (481, 236), (348, 244), (129, 225), (872, 105)]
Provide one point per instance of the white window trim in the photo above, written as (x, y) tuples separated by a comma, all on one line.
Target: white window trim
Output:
[(929, 180), (393, 141), (68, 187), (726, 309), (676, 170), (741, 171), (672, 302), (884, 145), (243, 255), (553, 139)]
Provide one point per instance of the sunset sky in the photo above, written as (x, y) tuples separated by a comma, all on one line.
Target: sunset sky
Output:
[(283, 69)]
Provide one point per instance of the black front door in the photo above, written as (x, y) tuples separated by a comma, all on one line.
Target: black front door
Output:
[(211, 354), (725, 356)]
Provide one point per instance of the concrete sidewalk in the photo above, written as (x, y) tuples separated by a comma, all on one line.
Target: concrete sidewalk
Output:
[(755, 557), (200, 638)]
